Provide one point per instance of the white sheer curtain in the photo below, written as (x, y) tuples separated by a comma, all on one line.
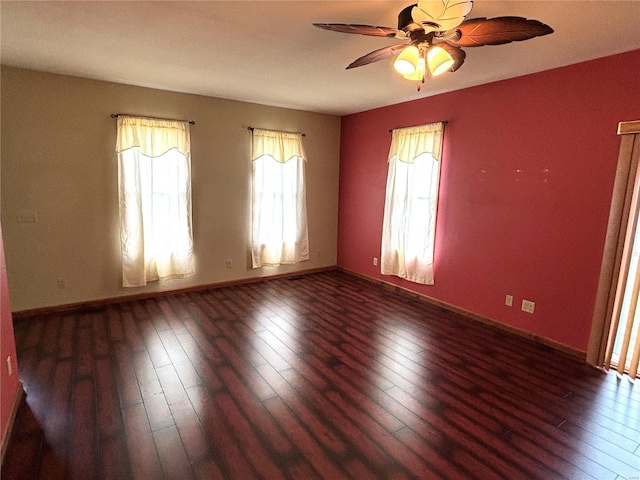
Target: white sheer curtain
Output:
[(154, 183), (408, 230), (279, 212)]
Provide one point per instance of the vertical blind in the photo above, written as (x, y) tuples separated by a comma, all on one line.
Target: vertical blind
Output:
[(614, 341), (623, 345)]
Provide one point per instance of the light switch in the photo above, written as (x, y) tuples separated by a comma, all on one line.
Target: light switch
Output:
[(27, 216)]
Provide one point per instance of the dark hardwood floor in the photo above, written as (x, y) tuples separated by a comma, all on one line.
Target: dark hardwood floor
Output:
[(319, 376)]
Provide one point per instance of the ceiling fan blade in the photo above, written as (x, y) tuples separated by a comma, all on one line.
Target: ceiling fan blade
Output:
[(376, 55), (456, 53), (369, 30), (496, 31)]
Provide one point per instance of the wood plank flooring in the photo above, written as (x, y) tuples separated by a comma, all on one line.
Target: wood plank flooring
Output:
[(319, 376)]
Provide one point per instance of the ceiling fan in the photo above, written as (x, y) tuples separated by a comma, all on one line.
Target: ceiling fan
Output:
[(436, 29)]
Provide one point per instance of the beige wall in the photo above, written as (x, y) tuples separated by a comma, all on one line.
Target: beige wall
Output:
[(58, 161)]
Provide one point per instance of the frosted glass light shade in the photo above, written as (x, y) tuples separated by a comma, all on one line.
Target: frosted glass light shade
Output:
[(407, 62), (439, 61), (418, 75)]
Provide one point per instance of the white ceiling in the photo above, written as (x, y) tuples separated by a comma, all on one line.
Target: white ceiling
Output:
[(268, 52)]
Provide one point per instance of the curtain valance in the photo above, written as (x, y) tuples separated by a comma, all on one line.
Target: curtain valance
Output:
[(409, 143), (281, 146), (153, 136)]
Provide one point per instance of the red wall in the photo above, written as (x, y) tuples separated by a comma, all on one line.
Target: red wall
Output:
[(8, 384), (525, 190)]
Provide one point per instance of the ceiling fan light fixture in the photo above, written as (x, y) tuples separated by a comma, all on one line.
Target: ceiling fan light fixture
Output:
[(439, 61), (407, 62), (435, 32)]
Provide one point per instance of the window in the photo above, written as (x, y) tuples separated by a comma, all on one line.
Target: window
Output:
[(279, 214), (408, 230), (154, 183)]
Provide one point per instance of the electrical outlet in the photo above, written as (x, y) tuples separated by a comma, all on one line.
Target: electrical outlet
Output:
[(528, 306), (9, 366), (62, 282), (508, 300), (229, 263), (375, 261)]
